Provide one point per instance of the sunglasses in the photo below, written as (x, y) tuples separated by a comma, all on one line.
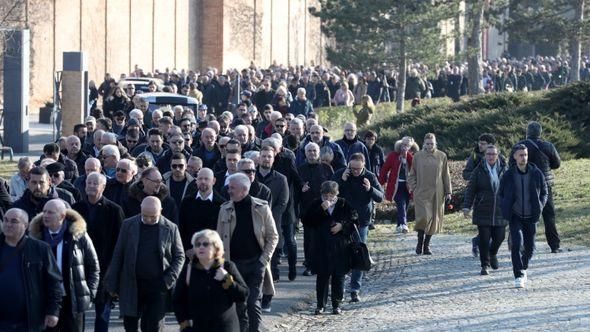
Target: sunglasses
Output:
[(122, 170), (280, 126), (131, 141), (55, 175), (202, 244), (177, 166), (249, 171)]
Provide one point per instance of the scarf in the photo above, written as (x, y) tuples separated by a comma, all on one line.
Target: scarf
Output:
[(54, 240), (494, 178)]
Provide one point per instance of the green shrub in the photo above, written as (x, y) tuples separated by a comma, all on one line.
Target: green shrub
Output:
[(564, 114)]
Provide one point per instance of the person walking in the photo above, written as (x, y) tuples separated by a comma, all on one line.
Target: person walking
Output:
[(209, 287), (429, 182), (544, 155), (146, 263), (31, 292), (523, 194), (482, 195), (249, 235), (394, 176), (64, 230), (332, 219)]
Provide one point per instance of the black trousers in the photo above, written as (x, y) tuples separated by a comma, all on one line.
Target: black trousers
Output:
[(250, 313), (151, 301), (487, 249), (549, 221), (290, 245), (322, 283), (306, 244), (68, 321)]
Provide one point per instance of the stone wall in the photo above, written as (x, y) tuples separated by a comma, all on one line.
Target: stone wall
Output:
[(116, 35)]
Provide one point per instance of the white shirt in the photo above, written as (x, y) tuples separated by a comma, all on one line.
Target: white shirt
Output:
[(208, 198)]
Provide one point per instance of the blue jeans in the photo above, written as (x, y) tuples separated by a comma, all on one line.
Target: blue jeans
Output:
[(356, 278), (522, 231), (402, 199)]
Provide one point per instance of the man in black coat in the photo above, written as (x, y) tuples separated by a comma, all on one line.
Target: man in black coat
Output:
[(360, 188), (208, 150), (51, 150), (91, 165), (39, 191), (117, 189), (205, 204), (75, 152), (544, 155), (313, 173), (257, 189), (150, 183), (280, 197), (64, 230), (30, 298), (103, 219)]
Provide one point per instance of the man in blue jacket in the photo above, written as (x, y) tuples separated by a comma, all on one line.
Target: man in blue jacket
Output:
[(360, 188), (351, 144), (523, 194)]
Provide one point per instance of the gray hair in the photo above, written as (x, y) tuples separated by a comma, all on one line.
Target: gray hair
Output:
[(251, 155), (272, 142), (132, 166), (111, 137), (241, 128), (24, 162), (246, 161), (110, 150), (296, 121), (326, 151), (23, 216), (241, 179), (100, 177), (312, 144)]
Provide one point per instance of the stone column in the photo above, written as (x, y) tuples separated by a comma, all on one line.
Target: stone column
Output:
[(74, 92)]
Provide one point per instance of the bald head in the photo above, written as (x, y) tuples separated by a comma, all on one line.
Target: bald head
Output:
[(54, 213), (151, 210)]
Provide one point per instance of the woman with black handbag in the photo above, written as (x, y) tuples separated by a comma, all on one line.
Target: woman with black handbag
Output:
[(332, 219)]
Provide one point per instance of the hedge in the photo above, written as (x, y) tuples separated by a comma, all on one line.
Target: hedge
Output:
[(563, 112)]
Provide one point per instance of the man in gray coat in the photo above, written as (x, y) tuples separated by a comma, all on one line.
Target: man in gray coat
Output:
[(147, 260)]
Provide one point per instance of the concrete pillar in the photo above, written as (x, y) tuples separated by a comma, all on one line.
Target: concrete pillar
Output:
[(74, 93), (16, 89)]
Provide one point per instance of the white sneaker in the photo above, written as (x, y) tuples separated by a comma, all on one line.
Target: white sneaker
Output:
[(405, 229), (519, 282), (524, 276), (399, 229)]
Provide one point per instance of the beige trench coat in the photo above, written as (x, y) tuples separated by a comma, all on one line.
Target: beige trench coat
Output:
[(429, 181), (264, 230)]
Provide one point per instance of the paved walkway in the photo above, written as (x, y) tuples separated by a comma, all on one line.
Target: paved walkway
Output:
[(445, 292)]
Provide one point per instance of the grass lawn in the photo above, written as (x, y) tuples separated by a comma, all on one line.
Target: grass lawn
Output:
[(7, 169), (571, 194)]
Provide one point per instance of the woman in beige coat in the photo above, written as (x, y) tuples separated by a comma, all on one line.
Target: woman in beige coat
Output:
[(430, 184)]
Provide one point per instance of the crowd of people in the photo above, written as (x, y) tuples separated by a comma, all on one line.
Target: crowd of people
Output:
[(168, 210)]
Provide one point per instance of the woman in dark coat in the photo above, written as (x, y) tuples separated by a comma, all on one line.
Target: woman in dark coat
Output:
[(208, 288), (482, 195), (332, 220)]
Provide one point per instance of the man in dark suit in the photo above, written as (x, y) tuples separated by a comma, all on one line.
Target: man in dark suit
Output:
[(147, 260), (103, 218)]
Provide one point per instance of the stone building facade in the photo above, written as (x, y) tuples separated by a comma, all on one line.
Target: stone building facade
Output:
[(116, 35)]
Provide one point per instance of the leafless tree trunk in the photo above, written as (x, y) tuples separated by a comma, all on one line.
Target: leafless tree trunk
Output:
[(403, 69), (476, 10), (576, 42)]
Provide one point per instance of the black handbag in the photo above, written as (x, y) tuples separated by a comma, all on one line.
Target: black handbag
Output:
[(359, 256)]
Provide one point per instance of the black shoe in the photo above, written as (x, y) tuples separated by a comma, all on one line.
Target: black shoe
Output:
[(292, 274), (336, 311), (494, 262), (319, 311), (426, 250), (556, 250), (307, 273), (485, 271), (371, 226), (354, 297)]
